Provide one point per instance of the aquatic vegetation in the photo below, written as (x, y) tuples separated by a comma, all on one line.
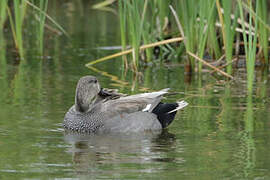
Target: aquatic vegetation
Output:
[(3, 14), (211, 29), (250, 43), (122, 19), (16, 25), (264, 34), (223, 133), (228, 25), (195, 32), (43, 5), (18, 14), (131, 50)]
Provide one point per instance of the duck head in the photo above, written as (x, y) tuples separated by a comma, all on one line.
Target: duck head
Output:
[(86, 93)]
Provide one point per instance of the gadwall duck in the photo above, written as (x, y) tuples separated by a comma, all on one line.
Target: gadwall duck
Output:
[(98, 110)]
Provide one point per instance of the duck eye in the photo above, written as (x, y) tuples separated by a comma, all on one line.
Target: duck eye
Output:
[(92, 81)]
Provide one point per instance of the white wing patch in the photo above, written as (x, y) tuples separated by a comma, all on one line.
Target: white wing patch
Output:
[(147, 108)]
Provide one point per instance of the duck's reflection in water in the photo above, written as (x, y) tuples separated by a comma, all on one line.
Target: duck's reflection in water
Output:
[(112, 152)]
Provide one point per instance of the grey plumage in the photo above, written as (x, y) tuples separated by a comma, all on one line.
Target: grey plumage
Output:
[(96, 110)]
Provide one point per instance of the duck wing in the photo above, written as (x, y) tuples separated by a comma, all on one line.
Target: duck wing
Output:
[(134, 103)]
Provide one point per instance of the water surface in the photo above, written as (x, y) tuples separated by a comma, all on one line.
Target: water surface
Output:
[(222, 134)]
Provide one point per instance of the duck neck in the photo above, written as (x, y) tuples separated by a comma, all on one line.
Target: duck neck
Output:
[(81, 107), (83, 102)]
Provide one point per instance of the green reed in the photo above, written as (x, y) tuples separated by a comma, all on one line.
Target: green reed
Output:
[(134, 29), (41, 19), (196, 17), (209, 27), (262, 29), (3, 12), (206, 13), (134, 26), (4, 69), (187, 16), (149, 28), (16, 25), (163, 11), (213, 43), (122, 9), (228, 29), (143, 22), (18, 14), (250, 42)]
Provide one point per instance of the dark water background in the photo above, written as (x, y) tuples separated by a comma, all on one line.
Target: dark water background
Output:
[(223, 134)]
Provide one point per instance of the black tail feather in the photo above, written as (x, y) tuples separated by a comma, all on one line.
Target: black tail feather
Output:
[(162, 109)]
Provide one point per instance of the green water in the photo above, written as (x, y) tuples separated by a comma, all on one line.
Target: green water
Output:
[(222, 134)]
